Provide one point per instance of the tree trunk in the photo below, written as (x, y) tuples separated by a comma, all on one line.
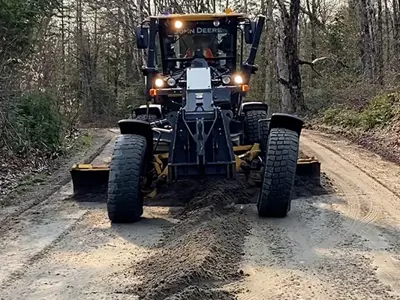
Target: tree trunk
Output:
[(283, 70), (290, 78), (379, 44), (373, 44), (396, 33), (129, 76), (365, 45), (269, 53), (63, 68), (79, 46), (313, 29), (388, 37), (117, 46)]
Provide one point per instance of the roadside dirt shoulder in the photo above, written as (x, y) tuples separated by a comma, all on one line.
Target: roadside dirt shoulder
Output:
[(19, 201), (384, 142)]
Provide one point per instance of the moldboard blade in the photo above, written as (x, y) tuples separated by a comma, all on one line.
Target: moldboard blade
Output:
[(90, 183)]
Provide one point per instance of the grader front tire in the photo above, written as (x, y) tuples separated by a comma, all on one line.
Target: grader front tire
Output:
[(125, 199), (279, 174)]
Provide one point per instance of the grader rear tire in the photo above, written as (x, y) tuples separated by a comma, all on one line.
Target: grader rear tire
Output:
[(279, 174), (251, 125), (152, 118), (125, 199)]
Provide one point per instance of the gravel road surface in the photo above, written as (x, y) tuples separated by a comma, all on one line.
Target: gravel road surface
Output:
[(340, 244)]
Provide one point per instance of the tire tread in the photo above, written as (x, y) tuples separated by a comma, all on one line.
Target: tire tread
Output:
[(125, 202), (252, 118), (152, 118), (279, 174)]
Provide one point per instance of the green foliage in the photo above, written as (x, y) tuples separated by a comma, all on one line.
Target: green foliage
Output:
[(36, 124), (345, 118), (133, 97), (330, 116), (19, 20), (378, 113), (86, 140), (340, 39)]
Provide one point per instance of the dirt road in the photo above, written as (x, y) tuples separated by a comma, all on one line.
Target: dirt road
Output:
[(339, 245)]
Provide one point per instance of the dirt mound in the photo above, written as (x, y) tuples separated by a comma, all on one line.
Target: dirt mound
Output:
[(202, 251), (199, 253), (182, 192), (223, 193), (194, 292)]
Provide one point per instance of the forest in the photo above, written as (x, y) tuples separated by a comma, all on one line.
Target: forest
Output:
[(69, 64), (291, 214)]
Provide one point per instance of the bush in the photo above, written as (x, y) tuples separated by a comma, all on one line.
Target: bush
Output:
[(377, 113), (330, 116), (35, 124), (345, 118)]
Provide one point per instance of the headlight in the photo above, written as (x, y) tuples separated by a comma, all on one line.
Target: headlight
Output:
[(238, 79), (171, 81), (226, 79), (178, 24), (159, 82)]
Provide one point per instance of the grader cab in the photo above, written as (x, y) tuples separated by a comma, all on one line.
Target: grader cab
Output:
[(195, 121)]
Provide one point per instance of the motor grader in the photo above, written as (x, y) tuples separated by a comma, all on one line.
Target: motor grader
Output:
[(195, 122)]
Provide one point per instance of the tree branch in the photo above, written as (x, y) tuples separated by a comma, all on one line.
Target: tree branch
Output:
[(284, 12), (283, 81), (311, 64), (312, 17)]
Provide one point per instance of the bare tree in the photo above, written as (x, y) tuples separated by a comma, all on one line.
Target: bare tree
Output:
[(287, 58)]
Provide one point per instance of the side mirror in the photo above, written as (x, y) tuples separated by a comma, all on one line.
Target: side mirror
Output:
[(142, 37), (249, 32)]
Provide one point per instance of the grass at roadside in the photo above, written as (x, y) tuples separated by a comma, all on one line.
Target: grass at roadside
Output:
[(375, 126), (377, 114)]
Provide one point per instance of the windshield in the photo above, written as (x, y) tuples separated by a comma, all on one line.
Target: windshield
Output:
[(217, 44)]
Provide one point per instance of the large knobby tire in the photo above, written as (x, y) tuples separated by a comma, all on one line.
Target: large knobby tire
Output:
[(279, 174), (251, 125), (125, 199), (152, 118), (252, 134)]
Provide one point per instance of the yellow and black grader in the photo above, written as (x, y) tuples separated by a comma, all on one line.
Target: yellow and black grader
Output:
[(195, 121)]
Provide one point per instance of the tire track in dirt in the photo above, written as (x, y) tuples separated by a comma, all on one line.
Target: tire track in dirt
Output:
[(378, 228), (338, 246), (359, 211), (33, 233), (368, 163), (36, 226), (78, 264), (58, 181), (357, 181)]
